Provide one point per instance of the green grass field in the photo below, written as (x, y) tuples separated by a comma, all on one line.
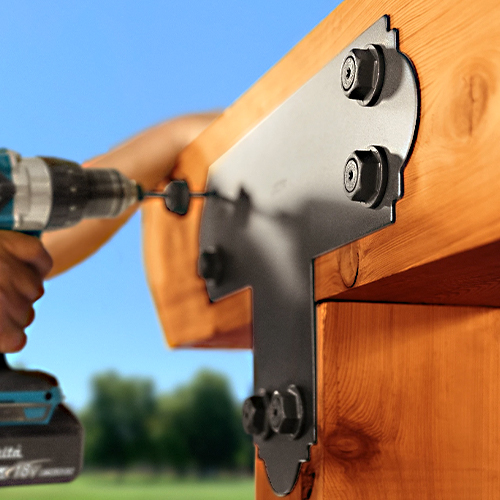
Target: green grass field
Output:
[(136, 487)]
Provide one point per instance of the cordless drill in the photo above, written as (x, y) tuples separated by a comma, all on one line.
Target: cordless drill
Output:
[(41, 441)]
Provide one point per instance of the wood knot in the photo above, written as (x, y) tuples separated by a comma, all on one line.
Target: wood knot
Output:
[(471, 89), (348, 262), (350, 445)]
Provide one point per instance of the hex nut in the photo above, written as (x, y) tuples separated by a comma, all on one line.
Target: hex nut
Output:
[(365, 176), (178, 197), (254, 415), (286, 413), (362, 74), (211, 264)]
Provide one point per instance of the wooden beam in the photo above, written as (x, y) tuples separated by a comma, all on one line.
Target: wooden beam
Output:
[(449, 206), (408, 395), (466, 278)]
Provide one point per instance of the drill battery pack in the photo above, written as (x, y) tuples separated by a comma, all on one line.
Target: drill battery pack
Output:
[(47, 453), (41, 441)]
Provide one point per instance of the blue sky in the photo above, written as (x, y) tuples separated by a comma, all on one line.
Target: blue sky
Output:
[(80, 77)]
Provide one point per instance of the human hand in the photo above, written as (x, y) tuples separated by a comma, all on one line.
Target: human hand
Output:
[(24, 263), (150, 156)]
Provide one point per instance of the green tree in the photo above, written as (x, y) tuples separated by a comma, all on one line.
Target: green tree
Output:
[(198, 426), (207, 420), (169, 444), (245, 455), (117, 421)]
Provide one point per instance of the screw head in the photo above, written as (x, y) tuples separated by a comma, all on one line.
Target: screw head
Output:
[(348, 72), (362, 74), (254, 415), (365, 176), (351, 172), (285, 412), (211, 264)]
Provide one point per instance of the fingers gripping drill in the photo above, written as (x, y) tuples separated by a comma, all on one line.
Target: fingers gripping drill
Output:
[(41, 441)]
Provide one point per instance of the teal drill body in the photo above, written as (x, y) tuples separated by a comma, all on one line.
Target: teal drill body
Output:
[(41, 441)]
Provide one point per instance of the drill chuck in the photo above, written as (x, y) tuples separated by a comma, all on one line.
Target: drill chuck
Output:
[(41, 193), (110, 193), (84, 193)]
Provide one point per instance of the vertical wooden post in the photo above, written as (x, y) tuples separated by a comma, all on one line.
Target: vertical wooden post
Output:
[(409, 404)]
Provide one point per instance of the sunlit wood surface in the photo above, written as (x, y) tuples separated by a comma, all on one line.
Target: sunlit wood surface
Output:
[(449, 205), (408, 395)]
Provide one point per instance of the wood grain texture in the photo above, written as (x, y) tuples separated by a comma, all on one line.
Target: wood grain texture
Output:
[(449, 206), (409, 400), (466, 278), (408, 395)]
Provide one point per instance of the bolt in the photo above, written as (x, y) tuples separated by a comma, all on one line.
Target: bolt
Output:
[(254, 415), (365, 176), (177, 197), (211, 264), (285, 412), (362, 74)]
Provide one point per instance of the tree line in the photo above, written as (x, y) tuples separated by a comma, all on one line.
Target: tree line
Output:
[(194, 428)]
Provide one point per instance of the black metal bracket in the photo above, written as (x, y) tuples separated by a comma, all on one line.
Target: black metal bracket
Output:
[(322, 170)]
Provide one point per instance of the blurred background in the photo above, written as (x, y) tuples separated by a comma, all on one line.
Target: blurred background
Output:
[(79, 78)]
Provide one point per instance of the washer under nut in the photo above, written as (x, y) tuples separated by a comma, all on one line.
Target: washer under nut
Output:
[(362, 74), (255, 419), (365, 176), (286, 412)]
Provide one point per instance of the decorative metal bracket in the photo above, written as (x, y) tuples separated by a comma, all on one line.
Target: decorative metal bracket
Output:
[(322, 170)]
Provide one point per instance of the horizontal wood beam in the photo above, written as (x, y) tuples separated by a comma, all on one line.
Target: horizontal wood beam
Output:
[(449, 206)]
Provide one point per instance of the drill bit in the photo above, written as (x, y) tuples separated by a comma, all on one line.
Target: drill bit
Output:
[(177, 196)]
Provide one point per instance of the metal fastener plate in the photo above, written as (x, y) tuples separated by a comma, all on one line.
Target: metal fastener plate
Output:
[(282, 203)]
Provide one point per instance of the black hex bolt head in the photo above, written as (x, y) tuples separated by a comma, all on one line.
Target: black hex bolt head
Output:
[(362, 74), (365, 176), (254, 415), (211, 264), (285, 412), (177, 197)]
